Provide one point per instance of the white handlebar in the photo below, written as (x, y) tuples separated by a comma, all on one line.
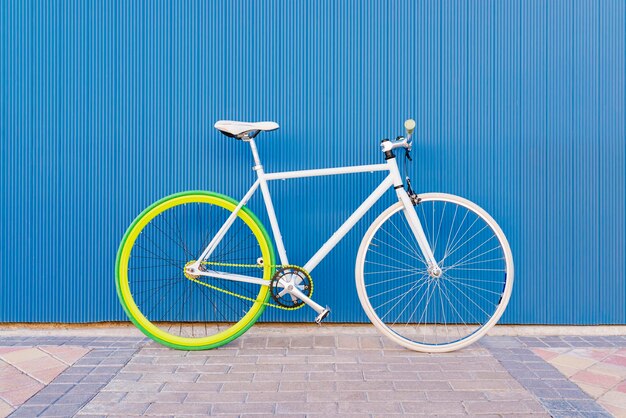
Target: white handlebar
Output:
[(403, 143), (391, 145), (409, 125)]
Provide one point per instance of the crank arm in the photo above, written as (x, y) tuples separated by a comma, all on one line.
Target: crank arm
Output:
[(294, 291)]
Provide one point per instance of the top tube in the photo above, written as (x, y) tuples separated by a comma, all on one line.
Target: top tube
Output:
[(326, 172)]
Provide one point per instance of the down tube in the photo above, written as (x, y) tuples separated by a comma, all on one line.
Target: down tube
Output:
[(349, 223)]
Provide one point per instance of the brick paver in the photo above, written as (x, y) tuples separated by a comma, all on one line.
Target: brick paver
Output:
[(92, 363), (308, 374), (524, 359), (357, 375), (24, 371), (600, 372)]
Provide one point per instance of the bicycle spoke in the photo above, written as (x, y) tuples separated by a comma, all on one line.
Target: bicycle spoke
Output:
[(475, 249), (480, 280), (445, 251), (460, 281), (404, 264), (467, 240), (468, 298), (394, 298), (466, 263), (393, 271), (157, 288), (179, 242), (156, 255), (443, 311), (439, 228), (158, 258), (477, 269), (150, 267), (429, 293), (405, 307), (394, 289), (400, 300), (181, 278), (417, 305), (450, 243), (458, 303), (387, 265), (454, 308), (455, 245), (395, 248), (406, 245), (393, 279)]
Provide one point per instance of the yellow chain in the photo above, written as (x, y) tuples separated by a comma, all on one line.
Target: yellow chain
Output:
[(271, 305)]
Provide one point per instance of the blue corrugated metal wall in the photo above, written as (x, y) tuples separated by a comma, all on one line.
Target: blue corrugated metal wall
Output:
[(108, 106)]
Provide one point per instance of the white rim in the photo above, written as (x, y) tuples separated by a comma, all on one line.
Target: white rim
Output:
[(382, 327)]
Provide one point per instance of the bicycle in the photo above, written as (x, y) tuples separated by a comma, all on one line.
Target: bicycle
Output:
[(195, 270)]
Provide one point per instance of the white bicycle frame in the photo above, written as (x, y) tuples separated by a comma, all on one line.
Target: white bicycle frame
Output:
[(393, 179)]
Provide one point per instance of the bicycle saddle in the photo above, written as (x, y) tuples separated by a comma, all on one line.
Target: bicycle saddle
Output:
[(235, 129)]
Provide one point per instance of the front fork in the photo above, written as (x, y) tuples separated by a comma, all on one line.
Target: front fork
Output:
[(418, 233), (411, 216)]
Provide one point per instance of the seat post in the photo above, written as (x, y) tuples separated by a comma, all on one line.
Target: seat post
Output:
[(255, 153)]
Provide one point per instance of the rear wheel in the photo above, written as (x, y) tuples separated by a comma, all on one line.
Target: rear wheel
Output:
[(170, 307), (431, 311)]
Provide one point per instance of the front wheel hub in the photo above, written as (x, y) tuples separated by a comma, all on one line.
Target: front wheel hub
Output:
[(434, 272)]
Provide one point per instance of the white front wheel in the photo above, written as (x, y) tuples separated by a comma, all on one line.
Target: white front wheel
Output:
[(435, 311)]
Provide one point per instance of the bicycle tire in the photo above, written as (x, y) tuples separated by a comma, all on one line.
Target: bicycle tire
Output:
[(200, 307), (393, 310)]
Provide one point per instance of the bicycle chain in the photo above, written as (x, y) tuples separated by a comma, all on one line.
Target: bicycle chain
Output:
[(228, 292)]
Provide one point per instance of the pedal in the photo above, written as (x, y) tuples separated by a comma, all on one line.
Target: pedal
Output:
[(322, 315)]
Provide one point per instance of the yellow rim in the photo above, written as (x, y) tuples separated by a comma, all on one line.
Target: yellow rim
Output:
[(142, 322)]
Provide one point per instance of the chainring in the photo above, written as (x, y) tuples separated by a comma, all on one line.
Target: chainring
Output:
[(297, 276)]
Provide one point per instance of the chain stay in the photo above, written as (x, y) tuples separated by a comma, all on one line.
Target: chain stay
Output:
[(271, 305)]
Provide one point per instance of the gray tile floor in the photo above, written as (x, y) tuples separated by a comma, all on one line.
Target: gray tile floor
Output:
[(306, 374)]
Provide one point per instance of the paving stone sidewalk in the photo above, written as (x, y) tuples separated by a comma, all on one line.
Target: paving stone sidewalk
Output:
[(600, 372), (24, 371), (311, 374)]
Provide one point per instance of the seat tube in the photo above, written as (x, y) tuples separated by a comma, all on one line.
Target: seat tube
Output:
[(269, 206)]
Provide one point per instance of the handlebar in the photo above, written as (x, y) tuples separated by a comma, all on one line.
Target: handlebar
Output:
[(401, 142)]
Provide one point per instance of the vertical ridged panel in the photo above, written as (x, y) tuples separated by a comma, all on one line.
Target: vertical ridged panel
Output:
[(108, 106)]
